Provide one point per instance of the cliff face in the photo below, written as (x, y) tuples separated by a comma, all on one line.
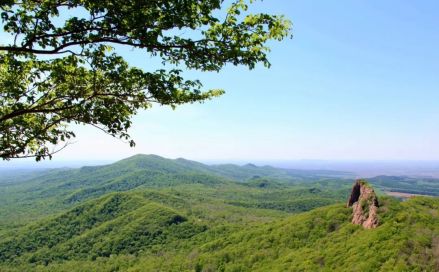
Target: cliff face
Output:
[(364, 203)]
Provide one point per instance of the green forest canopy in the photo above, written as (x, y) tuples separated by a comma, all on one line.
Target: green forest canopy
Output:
[(60, 67)]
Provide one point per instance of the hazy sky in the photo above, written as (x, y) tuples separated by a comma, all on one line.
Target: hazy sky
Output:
[(359, 80)]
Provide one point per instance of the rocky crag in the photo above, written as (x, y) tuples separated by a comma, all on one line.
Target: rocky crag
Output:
[(364, 203)]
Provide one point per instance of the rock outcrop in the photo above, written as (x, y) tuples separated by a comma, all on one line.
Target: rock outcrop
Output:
[(364, 203)]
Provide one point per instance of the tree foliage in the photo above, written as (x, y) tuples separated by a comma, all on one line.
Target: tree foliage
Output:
[(60, 65)]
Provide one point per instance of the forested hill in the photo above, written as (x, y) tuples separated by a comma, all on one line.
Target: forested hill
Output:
[(247, 186), (156, 163), (148, 213), (132, 232)]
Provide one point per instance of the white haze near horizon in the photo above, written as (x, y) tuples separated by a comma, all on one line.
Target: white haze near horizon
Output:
[(359, 168)]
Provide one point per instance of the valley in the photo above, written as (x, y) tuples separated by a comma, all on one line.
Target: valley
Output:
[(148, 213)]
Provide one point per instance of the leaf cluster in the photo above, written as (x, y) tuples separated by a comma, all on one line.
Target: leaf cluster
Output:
[(60, 66)]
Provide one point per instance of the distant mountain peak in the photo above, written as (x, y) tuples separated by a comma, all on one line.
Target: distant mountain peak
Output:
[(140, 156)]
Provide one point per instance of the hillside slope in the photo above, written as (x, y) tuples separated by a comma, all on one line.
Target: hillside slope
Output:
[(114, 224), (266, 187), (324, 239), (151, 237), (147, 213)]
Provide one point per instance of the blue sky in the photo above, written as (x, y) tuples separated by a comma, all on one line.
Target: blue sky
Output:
[(358, 81)]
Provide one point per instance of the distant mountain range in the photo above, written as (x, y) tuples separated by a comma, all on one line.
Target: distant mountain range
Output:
[(148, 213)]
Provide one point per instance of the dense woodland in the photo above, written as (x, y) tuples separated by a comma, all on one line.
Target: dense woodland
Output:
[(147, 213), (71, 62)]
